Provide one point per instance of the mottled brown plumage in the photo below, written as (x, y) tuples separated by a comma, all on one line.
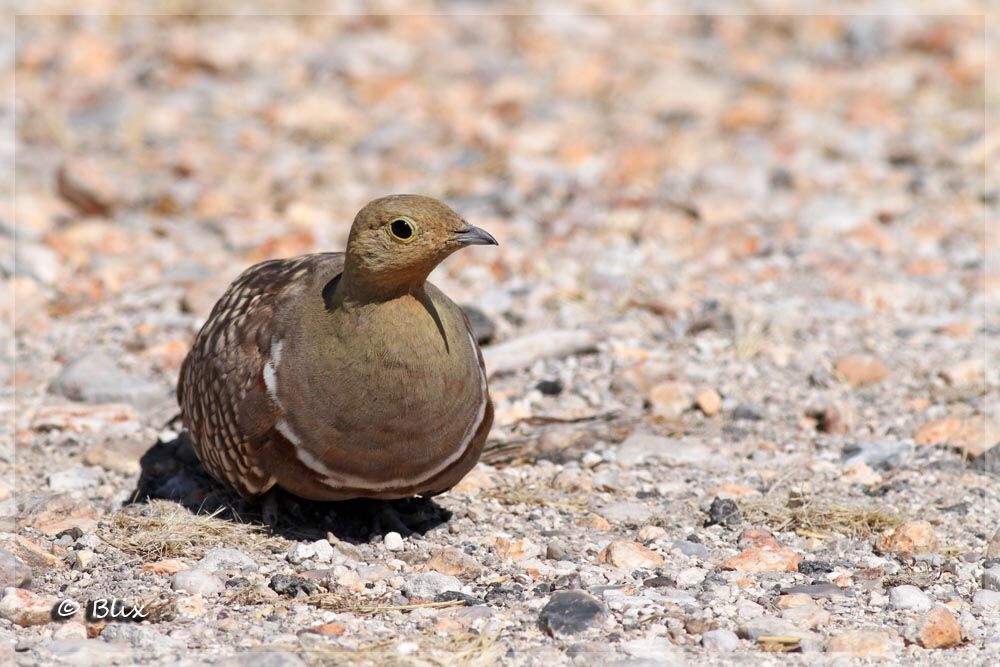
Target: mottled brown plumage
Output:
[(343, 375)]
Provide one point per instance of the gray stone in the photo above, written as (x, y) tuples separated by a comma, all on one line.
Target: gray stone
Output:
[(768, 626), (197, 581), (571, 612), (428, 585), (13, 572), (991, 578), (74, 479), (227, 559), (627, 513), (323, 550), (96, 378), (87, 652), (986, 600), (909, 598), (139, 636), (301, 552), (659, 649), (690, 548), (640, 447), (878, 453), (816, 591), (993, 548), (721, 640)]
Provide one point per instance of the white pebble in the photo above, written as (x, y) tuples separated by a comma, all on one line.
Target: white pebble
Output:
[(393, 541)]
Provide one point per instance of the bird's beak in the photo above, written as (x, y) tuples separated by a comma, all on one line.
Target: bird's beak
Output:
[(472, 235)]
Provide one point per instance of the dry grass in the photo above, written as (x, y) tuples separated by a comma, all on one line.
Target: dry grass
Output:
[(164, 529), (509, 495), (820, 520)]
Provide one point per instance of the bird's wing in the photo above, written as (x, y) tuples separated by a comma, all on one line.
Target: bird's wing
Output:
[(223, 389)]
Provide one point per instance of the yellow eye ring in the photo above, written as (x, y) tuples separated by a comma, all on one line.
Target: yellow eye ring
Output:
[(402, 229)]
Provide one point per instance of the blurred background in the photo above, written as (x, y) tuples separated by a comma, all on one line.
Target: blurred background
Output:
[(798, 187)]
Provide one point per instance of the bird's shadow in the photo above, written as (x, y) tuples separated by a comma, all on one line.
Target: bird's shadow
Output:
[(171, 471)]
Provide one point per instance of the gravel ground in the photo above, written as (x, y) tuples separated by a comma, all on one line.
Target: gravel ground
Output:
[(737, 336)]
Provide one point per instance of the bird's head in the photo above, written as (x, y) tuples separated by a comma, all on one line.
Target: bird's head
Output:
[(396, 241)]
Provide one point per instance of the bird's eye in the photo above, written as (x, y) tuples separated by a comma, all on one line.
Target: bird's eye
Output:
[(402, 230)]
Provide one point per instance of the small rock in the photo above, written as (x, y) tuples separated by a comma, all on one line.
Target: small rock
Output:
[(25, 608), (912, 537), (74, 479), (516, 550), (291, 585), (768, 626), (658, 650), (96, 378), (909, 598), (724, 512), (456, 563), (670, 399), (816, 591), (993, 548), (571, 612), (428, 585), (747, 412), (973, 436), (837, 418), (811, 567), (859, 370), (393, 541), (227, 559), (83, 559), (709, 402), (13, 572), (323, 551), (627, 513), (986, 601), (938, 628), (70, 630), (197, 582), (721, 640), (629, 555), (451, 596), (86, 652), (166, 566), (640, 447), (864, 644), (882, 454), (991, 578), (650, 534), (556, 550), (809, 616), (764, 555), (526, 350), (690, 548), (550, 387), (792, 600), (965, 373), (117, 453), (301, 552), (84, 185)]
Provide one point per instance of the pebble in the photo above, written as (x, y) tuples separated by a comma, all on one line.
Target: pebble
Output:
[(571, 612), (747, 412), (301, 552), (25, 608), (724, 512), (884, 454), (708, 401), (670, 399), (991, 578), (74, 479), (197, 581), (627, 513), (690, 548), (85, 185), (97, 378), (938, 628), (547, 344), (428, 585), (859, 370), (837, 418), (227, 559), (640, 447), (291, 585), (810, 616), (629, 555), (864, 644), (768, 626), (456, 563), (912, 537), (766, 555), (13, 572), (993, 548), (721, 640), (909, 598), (393, 541), (86, 652), (986, 600)]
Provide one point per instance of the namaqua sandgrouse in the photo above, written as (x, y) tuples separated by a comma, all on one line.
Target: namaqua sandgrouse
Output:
[(343, 375)]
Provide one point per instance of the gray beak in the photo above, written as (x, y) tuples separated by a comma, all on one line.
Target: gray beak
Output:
[(472, 235)]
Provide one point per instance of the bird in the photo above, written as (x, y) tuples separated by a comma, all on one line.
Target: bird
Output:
[(337, 376)]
